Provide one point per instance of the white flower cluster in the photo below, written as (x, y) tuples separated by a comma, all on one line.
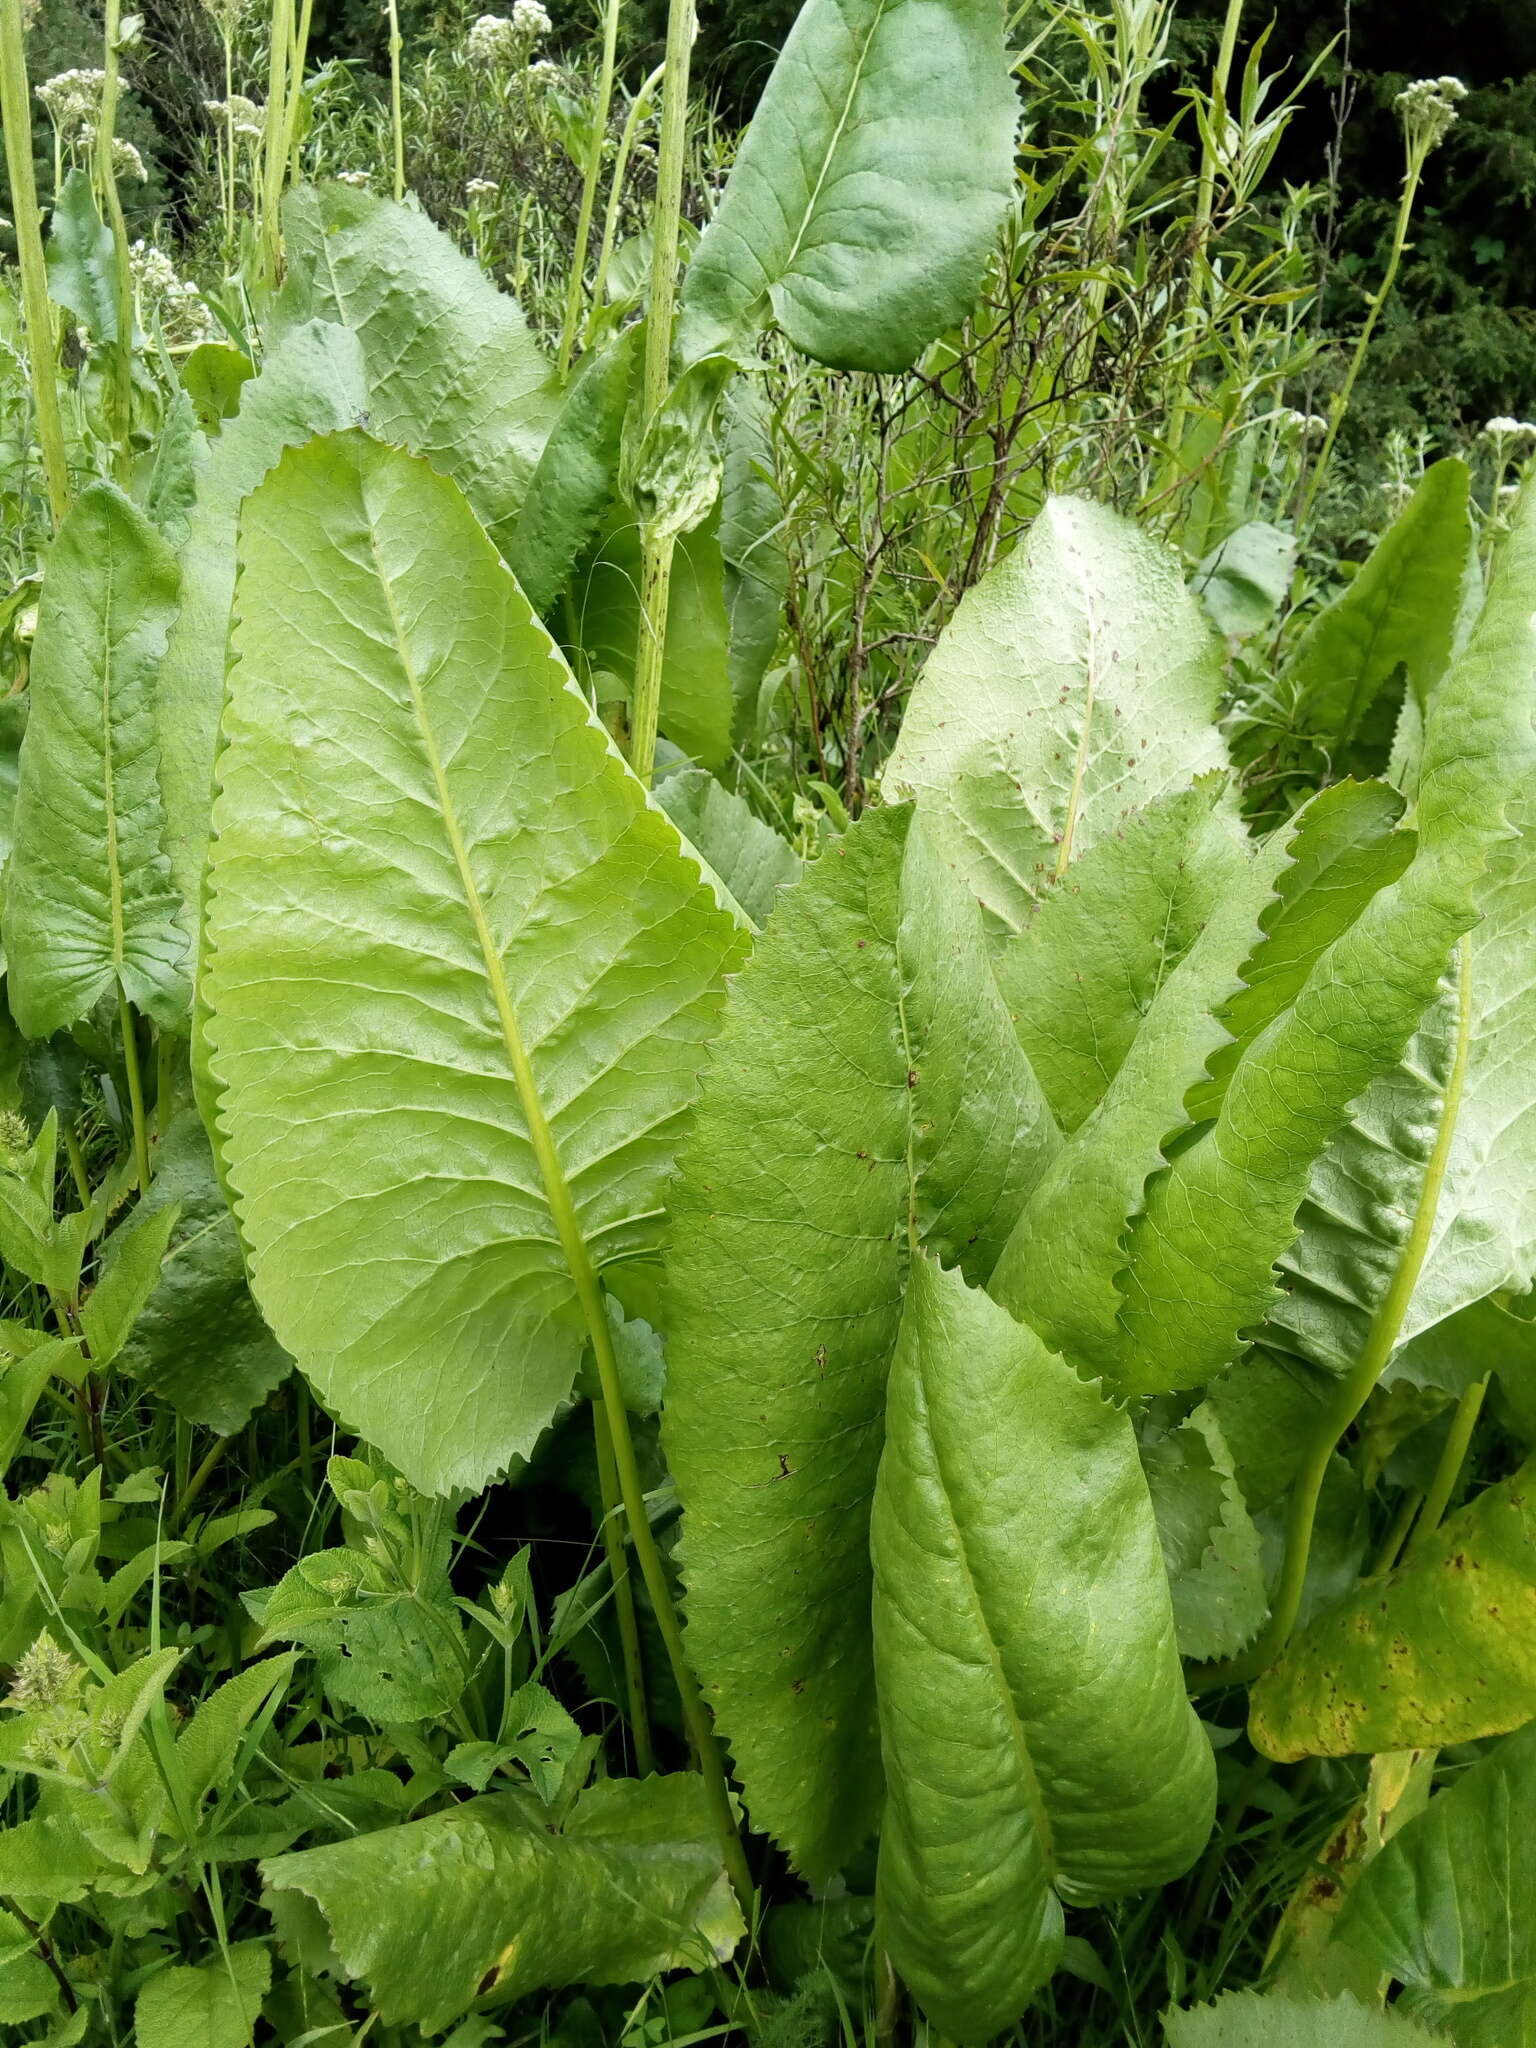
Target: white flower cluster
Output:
[(496, 42), (1427, 109), (73, 100), (358, 180), (243, 114), (1505, 429), (126, 158), (1312, 426), (481, 188), (226, 14), (173, 300)]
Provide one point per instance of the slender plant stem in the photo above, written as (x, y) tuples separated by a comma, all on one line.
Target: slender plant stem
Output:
[(16, 119), (135, 1090), (1397, 1535), (199, 1480), (274, 141), (122, 276), (300, 56), (1356, 1387), (1453, 1457), (616, 1551), (602, 101), (1378, 299), (229, 144), (639, 107), (45, 1951), (656, 376), (396, 117)]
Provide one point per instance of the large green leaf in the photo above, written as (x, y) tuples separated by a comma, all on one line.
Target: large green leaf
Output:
[(1399, 612), (1037, 1741), (199, 1342), (1446, 1907), (1252, 2019), (481, 1904), (80, 259), (1059, 1269), (210, 2005), (850, 217), (453, 369), (311, 383), (1201, 1255), (1439, 1651), (577, 474), (460, 974), (1075, 683), (89, 907), (867, 1093), (1364, 1190), (750, 858)]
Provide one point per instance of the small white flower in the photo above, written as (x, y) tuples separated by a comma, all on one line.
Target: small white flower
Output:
[(126, 158), (73, 101), (244, 116), (543, 67), (481, 188), (493, 42), (358, 180), (174, 301), (530, 19), (1312, 426), (1503, 428)]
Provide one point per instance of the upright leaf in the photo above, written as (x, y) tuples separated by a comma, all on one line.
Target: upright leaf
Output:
[(310, 383), (751, 545), (1075, 683), (89, 907), (576, 477), (453, 370), (850, 217), (1439, 1651), (1399, 612), (1038, 1744), (867, 1094), (1200, 1259), (459, 973), (80, 261), (482, 1902)]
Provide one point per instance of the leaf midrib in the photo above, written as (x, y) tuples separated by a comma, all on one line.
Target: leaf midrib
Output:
[(836, 142), (108, 776)]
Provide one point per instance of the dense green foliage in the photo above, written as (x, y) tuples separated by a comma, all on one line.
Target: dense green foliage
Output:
[(767, 1240)]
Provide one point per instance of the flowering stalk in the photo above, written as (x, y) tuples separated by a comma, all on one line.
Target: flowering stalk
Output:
[(601, 104), (122, 276), (656, 554), (640, 106), (396, 118), (275, 157), (15, 116), (1427, 108)]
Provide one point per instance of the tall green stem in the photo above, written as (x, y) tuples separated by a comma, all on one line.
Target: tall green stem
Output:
[(16, 119), (1378, 299), (275, 140), (1355, 1389), (229, 146), (135, 1090), (639, 107), (615, 1550), (656, 554), (296, 88), (1452, 1457), (122, 276), (396, 117), (601, 104)]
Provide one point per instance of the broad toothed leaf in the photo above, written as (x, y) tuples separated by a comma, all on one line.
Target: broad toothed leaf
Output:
[(1253, 2019), (89, 907), (1201, 1256), (867, 1093), (749, 857), (460, 975), (1075, 683), (1210, 1545), (849, 217), (1038, 1744)]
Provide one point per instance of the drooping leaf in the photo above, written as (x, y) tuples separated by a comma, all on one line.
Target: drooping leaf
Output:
[(437, 897), (213, 375), (576, 477), (850, 218), (1254, 2019), (1037, 1741), (1243, 582), (1399, 612), (89, 907), (310, 383), (1200, 1258), (1076, 682), (749, 857), (210, 2005), (392, 1653), (1439, 1651), (80, 260), (199, 1341), (481, 1901), (453, 369), (867, 1093), (1445, 1907), (695, 683)]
